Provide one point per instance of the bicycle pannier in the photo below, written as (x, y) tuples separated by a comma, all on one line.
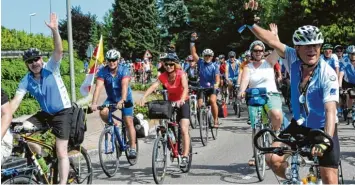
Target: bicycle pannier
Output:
[(256, 96), (159, 109)]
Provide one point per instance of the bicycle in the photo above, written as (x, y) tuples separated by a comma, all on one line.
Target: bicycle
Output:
[(205, 117), (166, 133), (193, 108), (44, 169), (286, 93), (257, 99), (343, 105), (224, 91), (351, 93), (114, 141), (236, 104), (299, 141)]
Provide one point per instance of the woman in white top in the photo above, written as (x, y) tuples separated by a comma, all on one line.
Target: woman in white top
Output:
[(259, 73)]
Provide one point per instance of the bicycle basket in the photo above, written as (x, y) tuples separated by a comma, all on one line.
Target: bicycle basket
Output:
[(159, 109), (256, 96)]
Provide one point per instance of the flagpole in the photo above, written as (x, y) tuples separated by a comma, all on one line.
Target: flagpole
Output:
[(96, 58)]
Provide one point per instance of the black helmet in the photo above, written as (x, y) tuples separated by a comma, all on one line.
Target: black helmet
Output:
[(171, 57), (31, 54)]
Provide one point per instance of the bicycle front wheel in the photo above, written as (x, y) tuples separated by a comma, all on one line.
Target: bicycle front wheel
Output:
[(203, 126), (159, 159), (80, 171), (109, 152), (260, 163), (21, 179)]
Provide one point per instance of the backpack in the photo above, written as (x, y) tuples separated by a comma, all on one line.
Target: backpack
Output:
[(78, 126)]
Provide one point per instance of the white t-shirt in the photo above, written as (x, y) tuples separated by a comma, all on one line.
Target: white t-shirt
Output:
[(262, 77)]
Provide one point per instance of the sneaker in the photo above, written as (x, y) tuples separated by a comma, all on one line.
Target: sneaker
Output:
[(132, 154), (184, 161)]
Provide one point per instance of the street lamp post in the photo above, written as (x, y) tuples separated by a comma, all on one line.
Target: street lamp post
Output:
[(32, 14), (71, 54)]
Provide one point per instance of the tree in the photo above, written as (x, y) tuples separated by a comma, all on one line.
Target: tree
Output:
[(106, 29), (135, 27), (85, 30)]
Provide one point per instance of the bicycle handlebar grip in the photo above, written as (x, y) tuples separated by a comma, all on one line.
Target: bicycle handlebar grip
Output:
[(258, 135)]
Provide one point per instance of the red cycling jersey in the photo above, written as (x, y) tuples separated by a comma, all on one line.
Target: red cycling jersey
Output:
[(174, 90), (137, 66), (222, 68)]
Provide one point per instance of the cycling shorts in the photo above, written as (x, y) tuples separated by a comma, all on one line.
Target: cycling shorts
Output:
[(125, 111), (208, 93), (183, 112), (347, 85), (60, 122)]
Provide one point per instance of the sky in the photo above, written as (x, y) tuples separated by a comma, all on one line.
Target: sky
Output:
[(15, 13)]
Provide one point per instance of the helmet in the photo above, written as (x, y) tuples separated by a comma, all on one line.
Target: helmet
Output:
[(31, 53), (350, 49), (207, 52), (256, 43), (113, 55), (338, 47), (172, 57), (247, 53), (162, 56), (327, 46), (189, 58), (221, 56), (138, 60), (307, 35), (231, 54)]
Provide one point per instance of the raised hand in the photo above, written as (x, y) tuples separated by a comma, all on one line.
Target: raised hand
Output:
[(53, 24), (194, 36), (273, 28), (252, 5)]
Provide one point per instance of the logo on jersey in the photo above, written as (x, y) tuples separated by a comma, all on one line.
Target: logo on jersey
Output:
[(332, 78), (333, 91)]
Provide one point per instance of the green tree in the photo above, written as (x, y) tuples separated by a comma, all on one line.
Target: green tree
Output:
[(135, 27)]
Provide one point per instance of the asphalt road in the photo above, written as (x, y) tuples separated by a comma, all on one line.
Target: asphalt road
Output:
[(224, 160)]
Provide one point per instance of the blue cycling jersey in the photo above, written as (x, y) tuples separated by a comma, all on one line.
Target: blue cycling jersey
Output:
[(323, 88), (233, 73), (113, 84), (50, 91), (343, 61), (207, 73), (349, 72), (332, 61)]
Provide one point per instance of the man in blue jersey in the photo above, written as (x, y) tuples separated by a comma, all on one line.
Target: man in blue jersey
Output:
[(330, 58), (209, 75), (115, 79), (314, 91), (45, 84), (233, 69)]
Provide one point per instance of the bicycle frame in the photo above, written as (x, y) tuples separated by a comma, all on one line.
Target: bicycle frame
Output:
[(121, 140)]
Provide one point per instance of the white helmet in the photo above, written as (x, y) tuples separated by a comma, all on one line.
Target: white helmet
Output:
[(350, 49), (207, 52), (247, 53), (163, 56), (113, 55), (307, 35), (256, 43)]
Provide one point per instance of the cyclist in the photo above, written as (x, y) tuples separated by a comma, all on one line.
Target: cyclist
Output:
[(223, 70), (147, 68), (138, 68), (339, 51), (233, 69), (330, 58), (209, 75), (115, 79), (44, 82), (322, 91), (175, 81), (161, 67), (192, 72), (242, 65), (347, 75)]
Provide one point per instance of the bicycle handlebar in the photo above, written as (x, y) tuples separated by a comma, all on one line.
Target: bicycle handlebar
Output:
[(298, 143), (114, 106), (200, 88)]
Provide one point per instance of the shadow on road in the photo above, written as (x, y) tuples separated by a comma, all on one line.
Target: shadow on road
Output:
[(347, 141), (348, 157)]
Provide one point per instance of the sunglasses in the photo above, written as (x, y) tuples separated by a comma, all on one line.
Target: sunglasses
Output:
[(232, 57), (170, 64), (256, 51), (111, 60), (31, 61), (339, 51), (208, 56), (191, 61)]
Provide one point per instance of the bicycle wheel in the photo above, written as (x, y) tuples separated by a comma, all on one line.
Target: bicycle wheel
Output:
[(259, 158), (110, 150), (214, 131), (159, 172), (21, 179), (80, 171), (188, 167), (130, 160), (340, 174), (193, 115), (203, 126)]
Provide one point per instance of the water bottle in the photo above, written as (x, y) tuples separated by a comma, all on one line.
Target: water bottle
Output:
[(42, 163), (171, 136)]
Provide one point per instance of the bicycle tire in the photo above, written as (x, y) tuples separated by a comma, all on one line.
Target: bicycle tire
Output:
[(214, 130), (193, 117), (203, 127), (259, 162), (159, 179), (132, 161), (340, 174), (188, 167), (21, 179), (238, 110), (75, 173), (115, 164)]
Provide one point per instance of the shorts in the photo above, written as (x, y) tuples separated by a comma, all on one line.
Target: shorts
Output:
[(125, 111), (274, 103), (183, 112), (347, 85), (60, 122), (208, 93)]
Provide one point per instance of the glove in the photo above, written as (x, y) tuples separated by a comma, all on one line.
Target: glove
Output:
[(249, 17), (319, 149)]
